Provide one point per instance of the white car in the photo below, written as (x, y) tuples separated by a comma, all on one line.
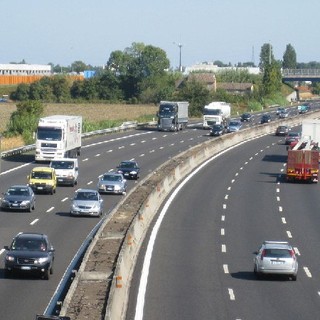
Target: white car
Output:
[(276, 257)]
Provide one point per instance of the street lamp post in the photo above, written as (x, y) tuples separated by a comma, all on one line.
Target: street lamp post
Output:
[(180, 46)]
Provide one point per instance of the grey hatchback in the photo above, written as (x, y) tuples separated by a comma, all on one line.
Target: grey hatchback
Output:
[(276, 257)]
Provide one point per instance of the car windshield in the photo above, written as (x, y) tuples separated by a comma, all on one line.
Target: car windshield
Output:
[(62, 164), (18, 192), (293, 134), (233, 123), (127, 165), (41, 175), (28, 245), (86, 196), (109, 177)]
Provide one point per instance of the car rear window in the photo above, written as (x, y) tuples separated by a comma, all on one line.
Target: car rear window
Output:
[(277, 253)]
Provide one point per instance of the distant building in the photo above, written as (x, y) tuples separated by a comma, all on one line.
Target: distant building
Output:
[(235, 87), (25, 69), (210, 67)]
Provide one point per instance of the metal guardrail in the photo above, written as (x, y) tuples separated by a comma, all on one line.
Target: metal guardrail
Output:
[(125, 126)]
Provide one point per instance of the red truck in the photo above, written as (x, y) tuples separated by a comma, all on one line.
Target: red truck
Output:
[(303, 165)]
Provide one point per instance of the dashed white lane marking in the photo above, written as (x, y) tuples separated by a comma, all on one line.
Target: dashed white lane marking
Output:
[(224, 206), (152, 151), (283, 220), (296, 250), (142, 155), (232, 181), (161, 148), (289, 234), (236, 174), (250, 158), (223, 218), (121, 147), (280, 209), (132, 144), (98, 155), (90, 182), (246, 162), (229, 188), (256, 154), (225, 268), (231, 294), (34, 222), (2, 251), (277, 190), (223, 248), (143, 141), (278, 198), (172, 144), (65, 199), (154, 138), (241, 168), (281, 170), (50, 209), (109, 151), (84, 160), (307, 271), (226, 197), (222, 232)]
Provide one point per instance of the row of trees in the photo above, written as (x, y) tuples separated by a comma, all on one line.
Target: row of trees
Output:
[(141, 74)]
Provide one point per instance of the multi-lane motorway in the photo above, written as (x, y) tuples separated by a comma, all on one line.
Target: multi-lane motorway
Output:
[(202, 261), (23, 297)]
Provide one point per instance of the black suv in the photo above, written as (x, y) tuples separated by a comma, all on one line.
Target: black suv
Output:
[(30, 252), (246, 117)]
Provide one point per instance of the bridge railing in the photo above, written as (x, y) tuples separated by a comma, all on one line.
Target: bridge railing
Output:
[(300, 72)]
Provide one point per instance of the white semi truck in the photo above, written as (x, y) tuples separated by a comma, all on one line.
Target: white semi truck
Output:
[(173, 115), (217, 112), (57, 137)]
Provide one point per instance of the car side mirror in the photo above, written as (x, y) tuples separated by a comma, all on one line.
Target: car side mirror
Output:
[(77, 169)]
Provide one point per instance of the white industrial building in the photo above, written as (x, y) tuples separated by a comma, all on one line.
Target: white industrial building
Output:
[(16, 69)]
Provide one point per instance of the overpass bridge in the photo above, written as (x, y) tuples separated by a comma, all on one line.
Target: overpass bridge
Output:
[(300, 75)]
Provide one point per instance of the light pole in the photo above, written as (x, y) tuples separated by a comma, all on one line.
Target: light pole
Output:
[(180, 46)]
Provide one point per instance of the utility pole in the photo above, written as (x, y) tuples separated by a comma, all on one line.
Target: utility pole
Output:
[(180, 63)]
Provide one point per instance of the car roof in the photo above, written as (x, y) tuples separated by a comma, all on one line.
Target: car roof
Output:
[(43, 169), (276, 244), (31, 235), (86, 190), (16, 186)]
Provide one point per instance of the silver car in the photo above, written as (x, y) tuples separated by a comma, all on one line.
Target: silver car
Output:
[(112, 182), (276, 257), (87, 202), (18, 198)]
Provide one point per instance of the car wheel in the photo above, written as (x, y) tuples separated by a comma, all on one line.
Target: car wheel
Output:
[(46, 275), (51, 270), (294, 277), (8, 273), (30, 208)]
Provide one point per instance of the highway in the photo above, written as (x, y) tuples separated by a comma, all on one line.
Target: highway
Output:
[(202, 260), (24, 296)]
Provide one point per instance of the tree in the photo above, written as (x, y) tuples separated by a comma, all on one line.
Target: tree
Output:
[(272, 78), (289, 58), (266, 56), (78, 66)]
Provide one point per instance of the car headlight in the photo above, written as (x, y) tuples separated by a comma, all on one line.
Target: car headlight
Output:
[(4, 201), (41, 260), (25, 202), (95, 206), (9, 258), (116, 187), (74, 206)]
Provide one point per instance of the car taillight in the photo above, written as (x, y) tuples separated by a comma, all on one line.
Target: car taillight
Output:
[(263, 254), (292, 254)]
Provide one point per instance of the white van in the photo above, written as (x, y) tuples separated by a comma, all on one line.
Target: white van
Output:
[(67, 170)]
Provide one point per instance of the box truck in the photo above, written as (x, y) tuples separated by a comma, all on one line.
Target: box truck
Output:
[(217, 112), (173, 115), (57, 137)]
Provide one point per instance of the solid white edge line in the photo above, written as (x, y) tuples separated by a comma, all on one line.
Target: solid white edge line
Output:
[(154, 232)]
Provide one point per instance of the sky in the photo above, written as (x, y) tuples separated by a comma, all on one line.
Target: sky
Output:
[(64, 31)]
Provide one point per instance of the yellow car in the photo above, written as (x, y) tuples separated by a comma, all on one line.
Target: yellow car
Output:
[(43, 180)]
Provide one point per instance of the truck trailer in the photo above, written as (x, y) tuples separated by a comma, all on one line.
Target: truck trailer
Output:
[(303, 165), (57, 137), (217, 112), (173, 115)]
